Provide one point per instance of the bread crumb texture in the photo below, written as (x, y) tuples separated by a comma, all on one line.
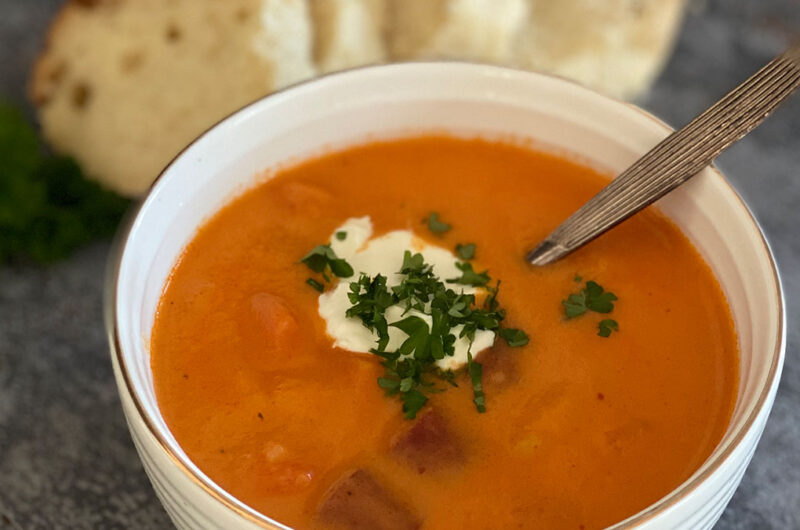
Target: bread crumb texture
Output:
[(124, 85)]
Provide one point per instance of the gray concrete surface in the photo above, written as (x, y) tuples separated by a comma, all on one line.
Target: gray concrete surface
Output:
[(66, 459)]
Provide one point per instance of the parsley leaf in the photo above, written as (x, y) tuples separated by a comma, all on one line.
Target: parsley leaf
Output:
[(574, 305), (436, 225), (322, 257), (592, 297), (606, 326), (418, 341), (341, 235), (317, 259), (392, 386), (514, 337), (412, 263), (341, 268), (413, 401), (469, 276), (465, 251), (597, 299)]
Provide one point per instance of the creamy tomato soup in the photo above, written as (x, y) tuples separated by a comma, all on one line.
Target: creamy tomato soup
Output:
[(586, 408)]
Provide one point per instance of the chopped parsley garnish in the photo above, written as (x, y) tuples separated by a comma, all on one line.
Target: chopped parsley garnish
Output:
[(413, 401), (370, 299), (341, 235), (411, 369), (475, 371), (436, 225), (514, 337), (322, 259), (315, 284), (577, 278), (606, 326), (418, 336), (465, 251), (592, 298)]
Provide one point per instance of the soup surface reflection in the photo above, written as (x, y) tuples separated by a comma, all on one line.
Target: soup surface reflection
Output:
[(580, 431)]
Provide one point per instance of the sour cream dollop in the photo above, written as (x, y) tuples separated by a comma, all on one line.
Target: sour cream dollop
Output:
[(384, 255)]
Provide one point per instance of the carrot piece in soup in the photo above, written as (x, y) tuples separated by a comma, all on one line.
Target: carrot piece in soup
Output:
[(274, 315), (270, 322)]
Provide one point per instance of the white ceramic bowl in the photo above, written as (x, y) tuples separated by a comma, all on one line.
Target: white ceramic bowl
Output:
[(398, 100)]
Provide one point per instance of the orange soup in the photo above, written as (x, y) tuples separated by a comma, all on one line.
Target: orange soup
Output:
[(603, 407)]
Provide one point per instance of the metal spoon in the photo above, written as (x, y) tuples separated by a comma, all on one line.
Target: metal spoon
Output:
[(677, 158)]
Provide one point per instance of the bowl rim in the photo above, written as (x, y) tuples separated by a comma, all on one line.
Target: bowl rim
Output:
[(219, 494)]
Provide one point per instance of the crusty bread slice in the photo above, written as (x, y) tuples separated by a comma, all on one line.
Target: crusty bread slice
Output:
[(124, 85), (348, 33), (614, 46), (478, 30)]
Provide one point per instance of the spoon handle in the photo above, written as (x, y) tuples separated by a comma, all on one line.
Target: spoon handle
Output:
[(677, 158)]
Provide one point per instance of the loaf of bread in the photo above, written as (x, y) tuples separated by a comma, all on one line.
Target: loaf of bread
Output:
[(124, 85)]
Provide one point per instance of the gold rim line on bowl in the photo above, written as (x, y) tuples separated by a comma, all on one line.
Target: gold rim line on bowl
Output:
[(708, 468)]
